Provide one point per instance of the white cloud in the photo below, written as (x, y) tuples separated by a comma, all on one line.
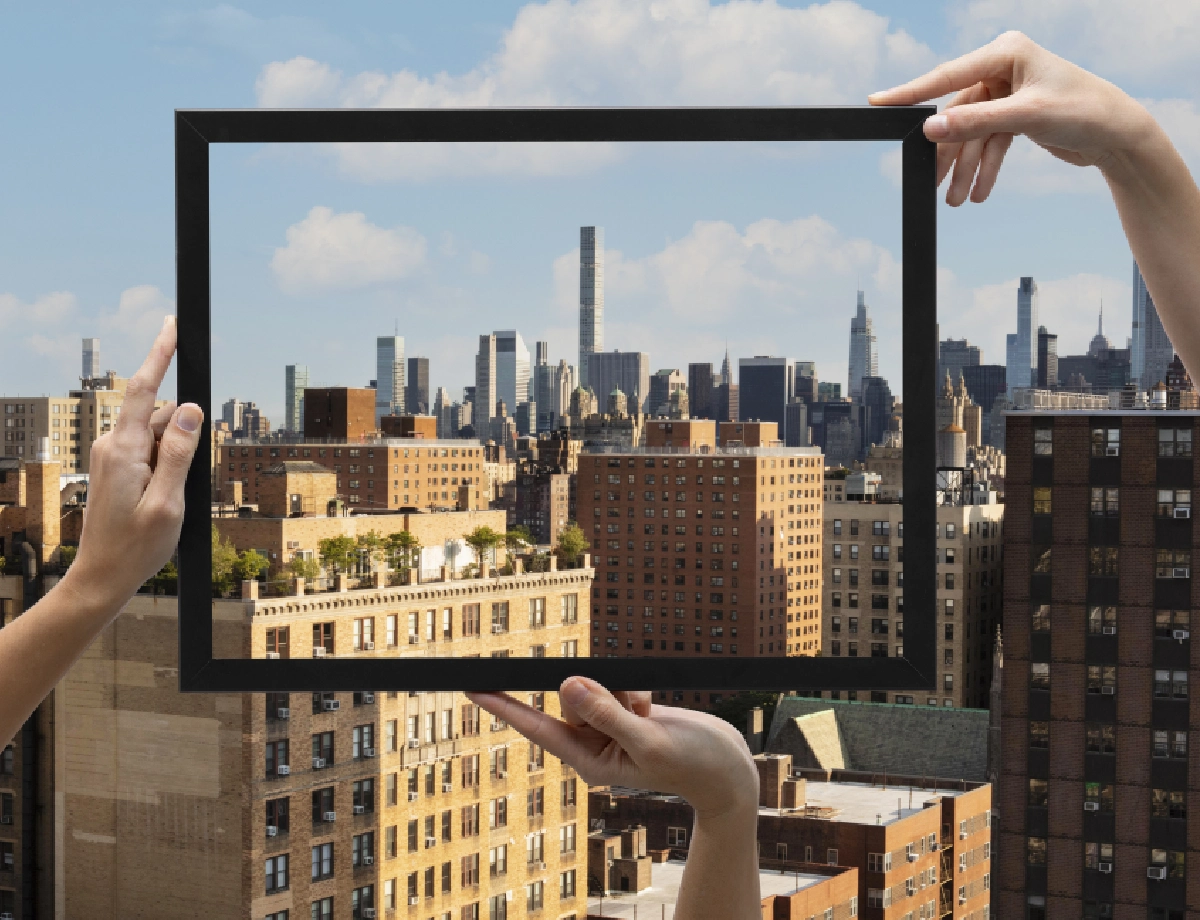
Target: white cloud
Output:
[(618, 52), (345, 250), (1143, 39), (44, 309)]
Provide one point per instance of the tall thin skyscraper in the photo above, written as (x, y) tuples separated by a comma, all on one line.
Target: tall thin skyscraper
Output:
[(1151, 350), (591, 297), (416, 390), (512, 369), (91, 358), (389, 376), (295, 379), (863, 360), (485, 385), (541, 353), (1021, 371), (701, 403)]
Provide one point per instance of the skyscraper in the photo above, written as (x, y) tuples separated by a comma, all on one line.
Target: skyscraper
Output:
[(1047, 359), (877, 405), (91, 358), (763, 390), (1022, 348), (295, 379), (591, 297), (485, 384), (701, 402), (1152, 351), (627, 371), (416, 392), (954, 355), (389, 376), (863, 360), (512, 369)]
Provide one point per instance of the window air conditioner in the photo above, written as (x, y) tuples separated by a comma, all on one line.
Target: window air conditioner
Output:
[(368, 698), (318, 763), (283, 712), (501, 774), (541, 867), (430, 842), (368, 860), (1183, 512), (962, 897), (1105, 867), (360, 809), (497, 629), (283, 770), (1108, 691), (318, 651), (414, 743), (329, 816), (1183, 572), (447, 787), (413, 900), (331, 705), (1108, 630), (1091, 806), (368, 646), (368, 912), (1157, 872), (368, 752), (912, 857), (1180, 634), (272, 830), (272, 654), (1112, 451), (6, 917), (412, 796), (413, 640)]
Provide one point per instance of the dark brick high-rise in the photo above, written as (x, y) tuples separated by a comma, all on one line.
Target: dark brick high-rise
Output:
[(1098, 760)]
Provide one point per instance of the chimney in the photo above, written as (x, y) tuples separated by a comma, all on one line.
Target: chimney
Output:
[(43, 506)]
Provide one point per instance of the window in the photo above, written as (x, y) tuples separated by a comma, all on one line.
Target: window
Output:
[(1174, 503), (1102, 561), (363, 794), (1174, 442), (566, 885), (322, 803), (1041, 561), (1102, 621), (1100, 738), (1096, 853), (498, 861), (470, 618), (1043, 442), (322, 909), (1106, 442), (362, 849), (1173, 563), (1035, 851), (1040, 621), (1041, 499), (1168, 803), (1171, 859), (322, 861), (1171, 684), (1106, 501), (1038, 791), (1102, 679), (1169, 744), (277, 815), (1098, 797), (567, 793), (277, 873), (277, 763), (1172, 624), (1039, 734), (1039, 675)]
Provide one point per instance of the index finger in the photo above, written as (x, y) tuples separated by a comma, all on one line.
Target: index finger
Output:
[(557, 737), (142, 388), (994, 60)]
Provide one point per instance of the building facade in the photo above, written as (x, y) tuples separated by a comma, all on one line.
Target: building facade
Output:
[(704, 551), (337, 413), (864, 361), (763, 390), (1097, 772), (1021, 358), (591, 299), (295, 381), (1151, 350), (627, 371), (416, 396), (389, 375), (512, 369)]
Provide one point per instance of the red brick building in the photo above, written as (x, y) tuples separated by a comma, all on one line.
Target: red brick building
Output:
[(339, 413), (1098, 597)]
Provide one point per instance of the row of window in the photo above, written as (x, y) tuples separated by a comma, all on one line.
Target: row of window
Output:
[(1101, 738), (1104, 562), (1106, 442), (1098, 856), (1102, 679), (1106, 501), (1099, 797), (1102, 620)]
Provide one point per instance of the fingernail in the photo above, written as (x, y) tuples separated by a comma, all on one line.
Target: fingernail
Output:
[(574, 691), (189, 417), (168, 320), (936, 126)]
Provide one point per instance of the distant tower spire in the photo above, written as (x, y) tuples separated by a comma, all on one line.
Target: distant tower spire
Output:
[(1101, 332)]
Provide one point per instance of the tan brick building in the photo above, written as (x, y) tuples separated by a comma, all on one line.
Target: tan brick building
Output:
[(864, 594), (383, 474), (704, 551)]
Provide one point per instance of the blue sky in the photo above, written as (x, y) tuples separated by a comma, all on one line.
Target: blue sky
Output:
[(316, 251)]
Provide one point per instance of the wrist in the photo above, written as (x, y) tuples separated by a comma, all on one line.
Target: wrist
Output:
[(86, 594), (1137, 145)]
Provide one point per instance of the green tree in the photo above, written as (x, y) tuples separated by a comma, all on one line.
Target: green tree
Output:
[(167, 579), (403, 549), (374, 545), (66, 555), (303, 567), (224, 556), (249, 565), (735, 708), (481, 540), (571, 543), (338, 553), (518, 538)]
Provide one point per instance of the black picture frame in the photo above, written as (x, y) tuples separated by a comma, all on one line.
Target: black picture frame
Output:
[(196, 130)]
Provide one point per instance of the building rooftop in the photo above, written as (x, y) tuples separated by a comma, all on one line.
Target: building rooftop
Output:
[(1108, 413), (708, 449), (862, 803), (665, 879)]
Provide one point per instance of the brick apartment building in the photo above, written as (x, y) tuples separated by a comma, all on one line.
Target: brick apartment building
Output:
[(922, 848), (383, 474), (704, 550), (339, 413), (1096, 770), (129, 799), (864, 594)]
